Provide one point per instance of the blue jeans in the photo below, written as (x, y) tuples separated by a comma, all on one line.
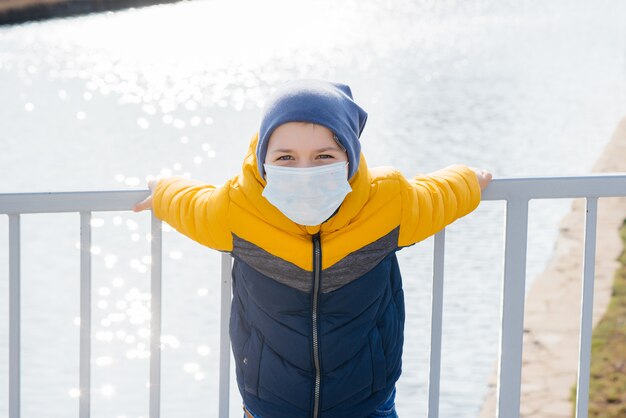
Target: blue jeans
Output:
[(386, 410)]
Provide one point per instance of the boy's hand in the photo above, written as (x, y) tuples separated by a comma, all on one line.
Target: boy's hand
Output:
[(147, 202), (484, 177)]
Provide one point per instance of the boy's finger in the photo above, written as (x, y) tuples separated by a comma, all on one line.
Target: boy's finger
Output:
[(145, 204)]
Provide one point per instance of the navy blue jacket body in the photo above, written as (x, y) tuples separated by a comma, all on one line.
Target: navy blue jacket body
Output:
[(360, 338)]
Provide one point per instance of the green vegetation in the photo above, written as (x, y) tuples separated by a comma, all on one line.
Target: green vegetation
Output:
[(607, 387)]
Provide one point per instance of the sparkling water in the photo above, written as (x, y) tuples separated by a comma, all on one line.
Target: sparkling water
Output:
[(105, 101)]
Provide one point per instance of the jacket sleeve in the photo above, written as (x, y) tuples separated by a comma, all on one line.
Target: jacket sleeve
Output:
[(431, 202), (197, 210)]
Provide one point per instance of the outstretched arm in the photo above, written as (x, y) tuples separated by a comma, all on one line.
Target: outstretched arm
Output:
[(195, 209), (432, 201)]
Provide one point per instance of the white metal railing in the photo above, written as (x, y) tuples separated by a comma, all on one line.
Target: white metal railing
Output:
[(517, 192)]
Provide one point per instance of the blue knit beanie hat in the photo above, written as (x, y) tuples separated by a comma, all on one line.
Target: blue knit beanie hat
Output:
[(320, 102)]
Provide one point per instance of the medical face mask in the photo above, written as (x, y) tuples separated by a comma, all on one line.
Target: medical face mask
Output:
[(307, 196)]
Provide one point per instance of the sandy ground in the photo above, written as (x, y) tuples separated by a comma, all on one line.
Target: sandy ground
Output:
[(18, 4), (552, 311)]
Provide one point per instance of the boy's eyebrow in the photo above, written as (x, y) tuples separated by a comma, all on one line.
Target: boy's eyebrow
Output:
[(287, 150)]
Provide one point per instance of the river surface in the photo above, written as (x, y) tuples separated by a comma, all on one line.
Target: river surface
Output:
[(101, 102)]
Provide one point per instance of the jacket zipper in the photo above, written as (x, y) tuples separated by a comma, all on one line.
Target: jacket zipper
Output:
[(317, 268)]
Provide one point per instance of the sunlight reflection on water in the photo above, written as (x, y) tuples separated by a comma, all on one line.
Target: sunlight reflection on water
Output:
[(176, 90)]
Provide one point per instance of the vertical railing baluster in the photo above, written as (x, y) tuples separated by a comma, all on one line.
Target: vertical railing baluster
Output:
[(155, 322), (586, 309), (85, 315), (436, 325), (513, 293), (224, 389), (14, 316)]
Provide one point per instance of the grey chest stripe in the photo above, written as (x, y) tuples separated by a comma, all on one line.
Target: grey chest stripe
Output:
[(359, 262), (271, 266), (350, 268)]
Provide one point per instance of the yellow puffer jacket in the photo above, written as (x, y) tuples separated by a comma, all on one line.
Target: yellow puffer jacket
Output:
[(382, 199)]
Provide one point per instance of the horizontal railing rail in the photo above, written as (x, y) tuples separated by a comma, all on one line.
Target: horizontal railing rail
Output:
[(58, 202), (517, 192)]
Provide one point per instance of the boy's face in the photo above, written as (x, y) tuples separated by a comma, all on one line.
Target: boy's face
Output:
[(302, 144)]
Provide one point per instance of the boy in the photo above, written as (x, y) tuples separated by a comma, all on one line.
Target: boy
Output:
[(317, 316)]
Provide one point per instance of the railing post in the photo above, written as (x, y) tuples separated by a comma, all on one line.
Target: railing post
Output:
[(224, 389), (586, 310), (155, 319), (513, 293), (14, 316), (85, 316), (436, 323)]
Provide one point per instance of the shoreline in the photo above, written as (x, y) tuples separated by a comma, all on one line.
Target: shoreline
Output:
[(14, 12), (552, 306)]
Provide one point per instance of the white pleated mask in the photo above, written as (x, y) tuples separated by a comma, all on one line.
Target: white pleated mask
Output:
[(307, 196)]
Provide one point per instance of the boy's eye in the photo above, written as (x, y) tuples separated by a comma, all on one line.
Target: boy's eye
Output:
[(324, 156), (285, 158)]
